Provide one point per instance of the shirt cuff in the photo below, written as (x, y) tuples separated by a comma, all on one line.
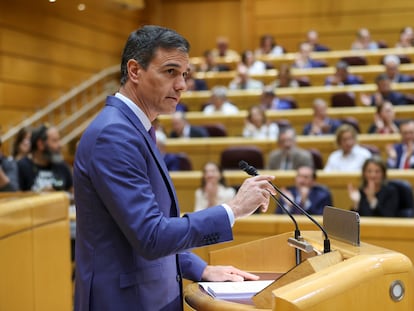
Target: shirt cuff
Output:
[(230, 213)]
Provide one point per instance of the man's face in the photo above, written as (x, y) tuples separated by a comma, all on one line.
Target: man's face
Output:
[(304, 177), (347, 141), (159, 87), (407, 132), (52, 147)]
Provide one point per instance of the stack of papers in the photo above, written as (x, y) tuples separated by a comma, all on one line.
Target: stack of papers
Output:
[(234, 290)]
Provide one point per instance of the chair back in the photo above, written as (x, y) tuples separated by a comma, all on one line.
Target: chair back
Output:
[(317, 158), (184, 162), (343, 100), (355, 60), (405, 194), (216, 130), (231, 156)]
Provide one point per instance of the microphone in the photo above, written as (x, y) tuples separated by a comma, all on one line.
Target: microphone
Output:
[(252, 171)]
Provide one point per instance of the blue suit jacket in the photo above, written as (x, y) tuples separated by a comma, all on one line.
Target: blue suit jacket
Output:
[(131, 244), (319, 197)]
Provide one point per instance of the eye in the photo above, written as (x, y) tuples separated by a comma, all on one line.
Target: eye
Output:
[(170, 71)]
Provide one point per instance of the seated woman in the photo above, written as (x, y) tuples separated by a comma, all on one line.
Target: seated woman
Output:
[(213, 188), (256, 125), (384, 120), (376, 196)]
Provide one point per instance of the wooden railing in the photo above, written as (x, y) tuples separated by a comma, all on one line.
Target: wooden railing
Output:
[(73, 108)]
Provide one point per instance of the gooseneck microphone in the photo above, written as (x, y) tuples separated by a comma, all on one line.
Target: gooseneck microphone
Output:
[(252, 171)]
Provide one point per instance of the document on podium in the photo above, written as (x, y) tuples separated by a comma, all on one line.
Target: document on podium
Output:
[(234, 290)]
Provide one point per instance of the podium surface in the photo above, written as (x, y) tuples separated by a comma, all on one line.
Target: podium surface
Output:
[(366, 278)]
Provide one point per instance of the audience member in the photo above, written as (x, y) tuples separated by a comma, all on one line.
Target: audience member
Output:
[(256, 125), (376, 196), (209, 63), (243, 81), (268, 46), (306, 192), (21, 145), (392, 63), (384, 120), (288, 156), (321, 123), (194, 84), (270, 101), (182, 129), (384, 92), (400, 155), (312, 37), (342, 76), (363, 41), (253, 66), (284, 78), (219, 102), (349, 157), (406, 38), (213, 190), (222, 49), (303, 58), (45, 170), (171, 159), (8, 173)]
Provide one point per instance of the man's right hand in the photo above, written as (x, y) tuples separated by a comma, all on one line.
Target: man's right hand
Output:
[(254, 193)]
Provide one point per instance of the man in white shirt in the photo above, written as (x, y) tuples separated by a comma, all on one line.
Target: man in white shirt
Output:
[(219, 102), (350, 156)]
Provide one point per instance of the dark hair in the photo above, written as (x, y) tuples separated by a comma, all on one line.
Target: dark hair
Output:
[(143, 43), (38, 133), (222, 180), (377, 160), (20, 136)]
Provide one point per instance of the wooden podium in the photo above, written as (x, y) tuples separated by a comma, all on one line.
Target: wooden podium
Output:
[(364, 277)]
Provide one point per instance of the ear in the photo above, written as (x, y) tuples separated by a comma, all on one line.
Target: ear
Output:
[(134, 70)]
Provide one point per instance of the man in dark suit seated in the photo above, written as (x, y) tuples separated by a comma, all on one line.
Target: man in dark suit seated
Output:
[(391, 63), (306, 193), (342, 76), (181, 127)]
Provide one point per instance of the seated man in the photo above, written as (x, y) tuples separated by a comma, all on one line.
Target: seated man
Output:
[(45, 170), (342, 76), (392, 63), (181, 127), (306, 193), (288, 156), (321, 123)]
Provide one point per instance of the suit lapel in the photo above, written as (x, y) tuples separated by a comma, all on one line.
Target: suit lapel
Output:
[(130, 115)]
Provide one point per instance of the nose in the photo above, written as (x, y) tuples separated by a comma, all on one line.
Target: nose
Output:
[(180, 84)]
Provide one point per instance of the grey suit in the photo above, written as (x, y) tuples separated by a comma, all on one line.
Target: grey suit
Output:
[(297, 157)]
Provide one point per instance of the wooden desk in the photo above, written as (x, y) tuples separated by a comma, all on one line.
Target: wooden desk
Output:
[(304, 96), (316, 76), (187, 182), (201, 150), (330, 57), (297, 117), (35, 265), (363, 271)]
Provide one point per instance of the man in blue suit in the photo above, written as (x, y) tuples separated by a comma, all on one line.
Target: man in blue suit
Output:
[(132, 246), (306, 193)]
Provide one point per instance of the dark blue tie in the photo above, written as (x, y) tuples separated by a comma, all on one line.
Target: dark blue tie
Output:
[(151, 131)]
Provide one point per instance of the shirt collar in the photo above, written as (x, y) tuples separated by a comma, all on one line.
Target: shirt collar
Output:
[(136, 110)]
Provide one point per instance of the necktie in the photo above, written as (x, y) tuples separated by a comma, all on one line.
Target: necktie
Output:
[(151, 131), (407, 161)]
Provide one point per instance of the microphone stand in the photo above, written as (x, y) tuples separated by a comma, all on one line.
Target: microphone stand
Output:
[(252, 171)]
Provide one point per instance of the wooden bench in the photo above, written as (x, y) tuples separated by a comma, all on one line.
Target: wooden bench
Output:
[(316, 76), (330, 57), (201, 150), (187, 182), (304, 96), (35, 264), (297, 117)]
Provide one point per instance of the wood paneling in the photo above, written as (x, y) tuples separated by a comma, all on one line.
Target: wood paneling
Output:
[(48, 48)]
